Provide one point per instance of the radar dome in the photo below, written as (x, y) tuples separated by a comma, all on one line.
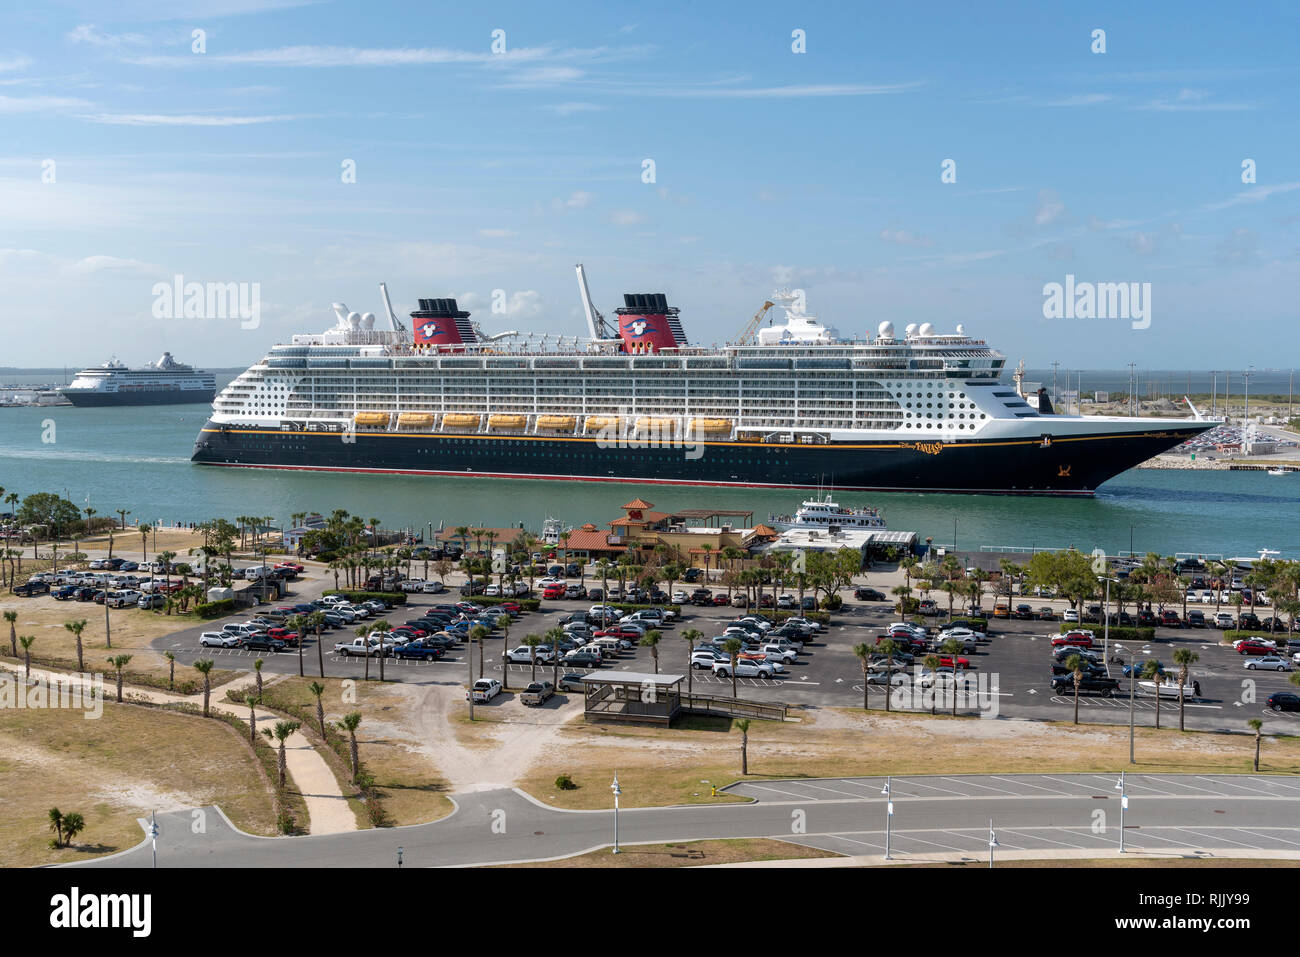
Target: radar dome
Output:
[(368, 321), (911, 328), (885, 330), (927, 329), (354, 320)]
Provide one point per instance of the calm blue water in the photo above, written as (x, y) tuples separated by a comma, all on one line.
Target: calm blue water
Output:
[(139, 459)]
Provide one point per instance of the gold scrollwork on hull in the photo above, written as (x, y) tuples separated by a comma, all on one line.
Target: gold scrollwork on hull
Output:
[(1063, 471), (929, 448)]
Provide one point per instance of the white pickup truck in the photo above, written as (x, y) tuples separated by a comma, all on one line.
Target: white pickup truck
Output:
[(360, 647), (539, 692)]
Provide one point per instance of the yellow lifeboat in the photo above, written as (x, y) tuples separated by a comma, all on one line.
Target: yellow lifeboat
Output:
[(507, 421), (597, 422), (372, 419), (414, 420), (710, 426), (651, 423), (564, 423), (461, 420)]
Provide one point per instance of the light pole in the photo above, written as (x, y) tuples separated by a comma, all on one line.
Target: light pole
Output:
[(1105, 628), (889, 812), (993, 842), (1132, 678), (399, 855), (1123, 806), (153, 833), (617, 791)]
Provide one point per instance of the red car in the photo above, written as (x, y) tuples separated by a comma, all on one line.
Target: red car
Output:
[(1255, 648), (721, 600), (511, 606), (285, 635), (292, 566), (1170, 619), (945, 661), (410, 630), (553, 591), (1079, 639), (618, 631)]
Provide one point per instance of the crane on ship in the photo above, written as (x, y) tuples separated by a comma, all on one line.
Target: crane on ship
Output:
[(596, 324), (748, 332)]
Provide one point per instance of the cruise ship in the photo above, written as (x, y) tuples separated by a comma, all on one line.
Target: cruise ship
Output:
[(165, 382), (789, 405)]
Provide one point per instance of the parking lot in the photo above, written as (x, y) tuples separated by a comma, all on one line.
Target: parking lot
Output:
[(1013, 666)]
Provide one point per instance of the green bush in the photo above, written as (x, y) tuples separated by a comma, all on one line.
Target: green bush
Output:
[(979, 624), (215, 609), (527, 604), (387, 597), (1117, 633), (832, 603), (908, 605), (565, 783), (1232, 635), (821, 617)]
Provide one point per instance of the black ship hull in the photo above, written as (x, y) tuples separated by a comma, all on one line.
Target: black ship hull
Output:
[(1064, 465), (140, 397)]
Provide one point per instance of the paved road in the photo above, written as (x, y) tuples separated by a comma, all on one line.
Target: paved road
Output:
[(1236, 814)]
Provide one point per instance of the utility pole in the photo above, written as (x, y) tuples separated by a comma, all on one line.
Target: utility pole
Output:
[(1245, 419), (1132, 388), (1214, 391), (1054, 397)]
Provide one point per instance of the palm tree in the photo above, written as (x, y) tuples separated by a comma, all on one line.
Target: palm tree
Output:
[(27, 641), (349, 724), (257, 670), (1256, 725), (171, 669), (952, 648), (651, 640), (73, 824), (1075, 664), (732, 647), (144, 531), (12, 618), (382, 626), (318, 689), (505, 647), (1185, 658), (532, 641), (296, 624), (555, 636), (363, 632), (119, 662), (251, 700), (282, 732), (931, 661), (1152, 671), (742, 725), (204, 667), (863, 651), (690, 636), (77, 627), (476, 636), (56, 825), (316, 621)]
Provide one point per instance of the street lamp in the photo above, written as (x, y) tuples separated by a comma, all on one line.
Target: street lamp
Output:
[(1132, 679), (153, 832), (617, 791), (399, 855), (889, 813), (1123, 806), (993, 842)]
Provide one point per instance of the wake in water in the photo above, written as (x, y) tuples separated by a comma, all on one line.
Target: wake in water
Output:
[(62, 455)]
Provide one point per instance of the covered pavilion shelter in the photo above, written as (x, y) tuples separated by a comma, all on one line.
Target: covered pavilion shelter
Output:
[(632, 696)]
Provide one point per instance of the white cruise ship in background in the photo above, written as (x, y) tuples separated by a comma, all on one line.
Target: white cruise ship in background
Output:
[(164, 382)]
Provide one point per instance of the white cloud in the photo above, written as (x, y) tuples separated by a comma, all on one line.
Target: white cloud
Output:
[(793, 91), (1252, 194), (96, 264), (39, 104), (87, 33), (568, 109), (525, 304), (578, 199), (626, 217), (1083, 99), (497, 233), (162, 119), (18, 62), (1050, 208), (903, 237), (1144, 244)]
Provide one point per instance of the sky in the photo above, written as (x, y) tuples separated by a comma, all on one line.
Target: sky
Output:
[(479, 151)]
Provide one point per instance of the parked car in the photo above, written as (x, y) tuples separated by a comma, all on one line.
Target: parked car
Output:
[(218, 639), (702, 658), (1023, 612), (150, 601), (1254, 646), (262, 642), (66, 593), (484, 689), (1088, 684), (1081, 639), (421, 649), (1224, 620), (1195, 618), (1070, 615), (30, 589), (869, 594), (1269, 663), (1170, 619), (537, 693), (744, 669), (1283, 701)]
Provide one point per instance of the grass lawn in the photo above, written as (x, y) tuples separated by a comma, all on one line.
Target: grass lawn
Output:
[(690, 854), (132, 631), (410, 787), (113, 770), (659, 766)]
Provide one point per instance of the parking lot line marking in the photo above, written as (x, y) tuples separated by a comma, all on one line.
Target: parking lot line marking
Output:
[(1252, 830), (910, 837), (1185, 784), (1279, 784), (916, 783), (1191, 830), (1071, 787), (841, 837), (1233, 784), (996, 777), (976, 784), (821, 787), (764, 787)]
